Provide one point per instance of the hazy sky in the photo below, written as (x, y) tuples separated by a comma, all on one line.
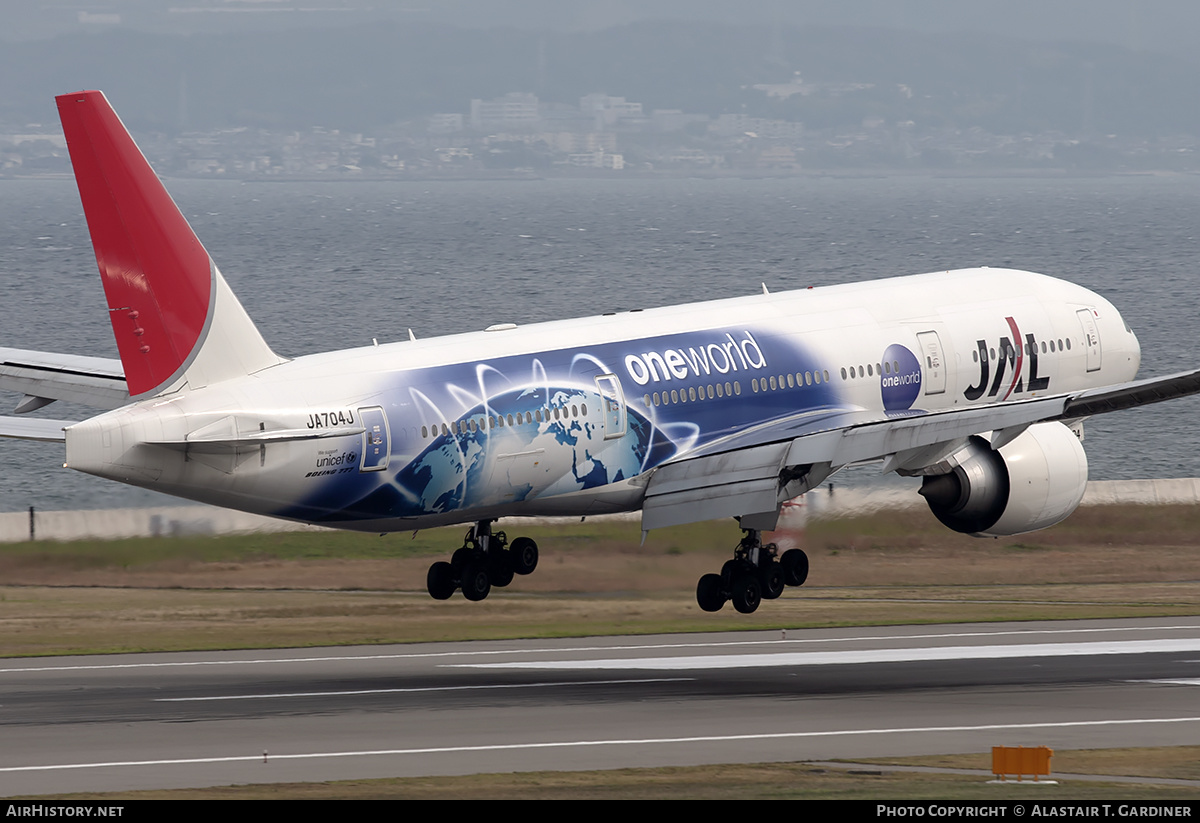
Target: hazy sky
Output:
[(1166, 25)]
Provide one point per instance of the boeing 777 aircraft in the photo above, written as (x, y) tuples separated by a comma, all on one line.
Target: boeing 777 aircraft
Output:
[(976, 380)]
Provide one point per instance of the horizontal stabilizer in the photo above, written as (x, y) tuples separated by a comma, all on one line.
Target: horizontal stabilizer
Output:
[(34, 428), (91, 381)]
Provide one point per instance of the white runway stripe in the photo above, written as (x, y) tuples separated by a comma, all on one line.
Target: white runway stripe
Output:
[(742, 661), (427, 689), (267, 661), (568, 744)]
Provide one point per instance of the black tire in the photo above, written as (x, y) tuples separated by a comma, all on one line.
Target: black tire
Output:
[(746, 593), (476, 584), (795, 567), (440, 581), (770, 578), (732, 569), (460, 558), (500, 569), (524, 555), (708, 593)]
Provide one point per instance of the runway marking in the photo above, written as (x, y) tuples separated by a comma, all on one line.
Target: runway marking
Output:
[(1181, 681), (428, 689), (567, 744), (585, 649), (742, 661)]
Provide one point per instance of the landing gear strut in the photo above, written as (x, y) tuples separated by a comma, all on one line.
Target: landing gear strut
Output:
[(753, 575), (486, 559)]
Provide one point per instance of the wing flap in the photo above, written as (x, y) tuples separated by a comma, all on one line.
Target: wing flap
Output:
[(720, 485)]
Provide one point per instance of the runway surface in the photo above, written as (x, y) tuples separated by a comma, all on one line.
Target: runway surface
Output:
[(200, 719)]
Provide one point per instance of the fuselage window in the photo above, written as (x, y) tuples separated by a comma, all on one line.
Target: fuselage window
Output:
[(647, 399), (975, 357), (754, 384), (656, 398), (674, 396), (538, 415), (727, 390), (445, 430), (791, 382), (692, 394), (720, 390), (472, 427), (895, 366), (992, 353), (860, 371), (1043, 347), (583, 409), (424, 432), (1051, 345), (1060, 344), (1068, 344), (843, 372), (510, 420), (827, 375), (737, 387), (710, 392), (773, 383)]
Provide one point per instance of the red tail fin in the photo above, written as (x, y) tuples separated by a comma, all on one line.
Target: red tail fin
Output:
[(161, 285)]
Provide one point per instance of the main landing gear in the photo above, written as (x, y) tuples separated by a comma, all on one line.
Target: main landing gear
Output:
[(752, 575), (486, 559)]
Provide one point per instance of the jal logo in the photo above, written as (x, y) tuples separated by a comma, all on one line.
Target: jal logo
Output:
[(900, 380), (1011, 369)]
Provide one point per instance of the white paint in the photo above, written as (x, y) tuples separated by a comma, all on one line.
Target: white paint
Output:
[(927, 654), (569, 744), (486, 687), (268, 661)]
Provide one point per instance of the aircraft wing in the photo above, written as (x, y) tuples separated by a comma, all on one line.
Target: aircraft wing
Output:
[(754, 470), (44, 377)]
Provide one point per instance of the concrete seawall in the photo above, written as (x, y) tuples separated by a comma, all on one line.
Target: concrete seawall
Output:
[(186, 520)]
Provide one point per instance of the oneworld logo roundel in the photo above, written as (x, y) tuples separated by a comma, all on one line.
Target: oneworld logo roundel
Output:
[(900, 380)]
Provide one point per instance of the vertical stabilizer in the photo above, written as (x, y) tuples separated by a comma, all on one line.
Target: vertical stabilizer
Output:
[(175, 319)]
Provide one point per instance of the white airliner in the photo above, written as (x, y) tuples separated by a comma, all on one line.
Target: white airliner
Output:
[(977, 380)]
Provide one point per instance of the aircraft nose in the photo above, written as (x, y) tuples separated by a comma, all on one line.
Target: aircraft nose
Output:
[(1135, 349)]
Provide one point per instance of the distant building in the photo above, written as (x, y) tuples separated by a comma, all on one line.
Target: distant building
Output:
[(607, 111), (597, 160), (515, 110), (445, 123)]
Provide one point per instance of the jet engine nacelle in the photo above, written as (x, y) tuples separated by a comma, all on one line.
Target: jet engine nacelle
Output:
[(1033, 482)]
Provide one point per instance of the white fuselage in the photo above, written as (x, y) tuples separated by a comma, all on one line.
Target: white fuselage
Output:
[(569, 417)]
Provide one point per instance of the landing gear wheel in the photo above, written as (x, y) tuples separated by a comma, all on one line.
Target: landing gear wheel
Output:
[(746, 593), (770, 578), (524, 553), (708, 593), (795, 567), (500, 570), (440, 581), (475, 581), (460, 558)]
